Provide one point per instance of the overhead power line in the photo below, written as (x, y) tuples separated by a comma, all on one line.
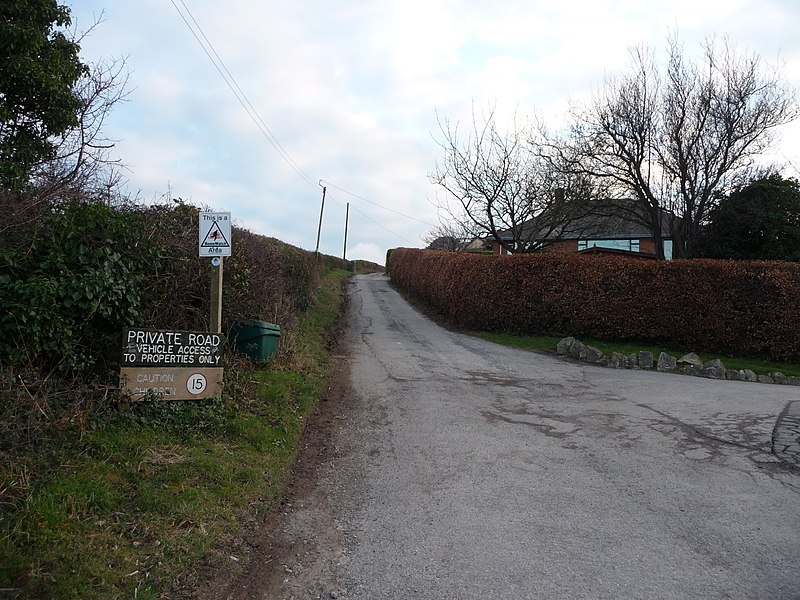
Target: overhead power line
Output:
[(209, 50), (397, 212), (230, 80), (366, 216)]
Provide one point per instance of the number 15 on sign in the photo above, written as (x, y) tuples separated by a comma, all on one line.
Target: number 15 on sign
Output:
[(196, 384)]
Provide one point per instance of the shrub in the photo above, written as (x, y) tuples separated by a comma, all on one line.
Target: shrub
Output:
[(74, 274), (745, 308), (71, 289)]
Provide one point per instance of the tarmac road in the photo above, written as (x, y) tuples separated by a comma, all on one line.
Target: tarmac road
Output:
[(497, 473), (475, 471)]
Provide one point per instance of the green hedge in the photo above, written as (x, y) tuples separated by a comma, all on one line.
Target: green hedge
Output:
[(733, 307), (74, 274)]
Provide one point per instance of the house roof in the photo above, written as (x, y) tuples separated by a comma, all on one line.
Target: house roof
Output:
[(615, 219)]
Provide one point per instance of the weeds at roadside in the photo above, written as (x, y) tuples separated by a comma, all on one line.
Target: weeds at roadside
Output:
[(125, 505)]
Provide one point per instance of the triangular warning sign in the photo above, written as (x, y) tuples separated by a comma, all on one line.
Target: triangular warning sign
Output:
[(215, 238)]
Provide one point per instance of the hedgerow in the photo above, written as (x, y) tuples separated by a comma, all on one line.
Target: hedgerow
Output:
[(745, 308), (72, 278), (74, 273)]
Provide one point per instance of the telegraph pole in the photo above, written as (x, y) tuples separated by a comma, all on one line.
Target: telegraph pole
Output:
[(346, 221), (321, 210)]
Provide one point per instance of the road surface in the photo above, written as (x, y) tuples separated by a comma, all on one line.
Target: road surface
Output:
[(461, 469)]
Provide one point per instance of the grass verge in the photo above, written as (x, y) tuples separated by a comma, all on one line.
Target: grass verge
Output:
[(130, 506), (548, 344)]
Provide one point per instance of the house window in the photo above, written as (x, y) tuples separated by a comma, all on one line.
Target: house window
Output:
[(668, 249), (629, 245)]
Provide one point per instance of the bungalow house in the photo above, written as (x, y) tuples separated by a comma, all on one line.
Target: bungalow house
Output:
[(596, 233), (453, 244)]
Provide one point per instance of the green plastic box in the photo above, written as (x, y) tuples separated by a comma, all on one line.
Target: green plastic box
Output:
[(257, 340)]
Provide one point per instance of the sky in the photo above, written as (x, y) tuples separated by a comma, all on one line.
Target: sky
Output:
[(348, 94)]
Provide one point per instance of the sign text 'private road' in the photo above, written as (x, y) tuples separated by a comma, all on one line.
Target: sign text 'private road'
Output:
[(146, 348)]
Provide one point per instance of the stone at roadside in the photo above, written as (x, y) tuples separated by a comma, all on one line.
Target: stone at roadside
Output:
[(593, 354), (687, 369), (564, 345), (714, 363), (645, 360), (617, 360), (793, 380), (734, 375), (633, 360), (750, 375), (778, 377), (714, 369), (765, 379), (714, 372), (690, 359), (577, 350), (666, 363)]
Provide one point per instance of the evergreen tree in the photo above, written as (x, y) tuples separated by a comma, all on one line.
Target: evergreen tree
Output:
[(758, 221), (39, 65)]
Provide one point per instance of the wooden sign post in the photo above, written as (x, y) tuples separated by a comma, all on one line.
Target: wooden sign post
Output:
[(215, 325), (215, 242)]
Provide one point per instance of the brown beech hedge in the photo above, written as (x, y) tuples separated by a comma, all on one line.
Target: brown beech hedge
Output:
[(743, 308)]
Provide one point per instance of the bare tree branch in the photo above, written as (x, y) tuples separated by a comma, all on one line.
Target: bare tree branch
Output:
[(83, 160), (674, 142), (506, 188)]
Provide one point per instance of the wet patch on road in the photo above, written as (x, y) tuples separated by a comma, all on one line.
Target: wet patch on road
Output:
[(549, 426), (489, 378), (786, 435)]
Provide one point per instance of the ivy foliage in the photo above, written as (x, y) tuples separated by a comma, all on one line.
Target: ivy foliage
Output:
[(71, 290)]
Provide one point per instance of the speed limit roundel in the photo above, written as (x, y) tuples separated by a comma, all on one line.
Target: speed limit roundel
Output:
[(196, 384)]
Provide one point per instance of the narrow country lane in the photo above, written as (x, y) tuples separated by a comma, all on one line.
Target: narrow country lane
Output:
[(467, 470)]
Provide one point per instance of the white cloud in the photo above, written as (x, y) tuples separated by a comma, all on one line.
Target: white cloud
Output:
[(351, 90)]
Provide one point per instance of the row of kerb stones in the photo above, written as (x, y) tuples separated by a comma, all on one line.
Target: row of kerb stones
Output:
[(688, 364)]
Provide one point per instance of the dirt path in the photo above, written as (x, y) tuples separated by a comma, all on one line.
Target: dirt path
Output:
[(296, 551)]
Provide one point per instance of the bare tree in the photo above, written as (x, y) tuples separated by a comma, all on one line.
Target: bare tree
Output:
[(451, 235), (675, 141), (506, 190), (81, 166), (82, 163)]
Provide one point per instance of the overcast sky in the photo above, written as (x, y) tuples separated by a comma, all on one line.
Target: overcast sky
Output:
[(350, 89)]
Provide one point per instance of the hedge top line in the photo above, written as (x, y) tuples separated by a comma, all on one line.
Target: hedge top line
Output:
[(749, 308)]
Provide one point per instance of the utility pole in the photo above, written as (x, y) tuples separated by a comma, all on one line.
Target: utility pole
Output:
[(346, 221), (321, 210)]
